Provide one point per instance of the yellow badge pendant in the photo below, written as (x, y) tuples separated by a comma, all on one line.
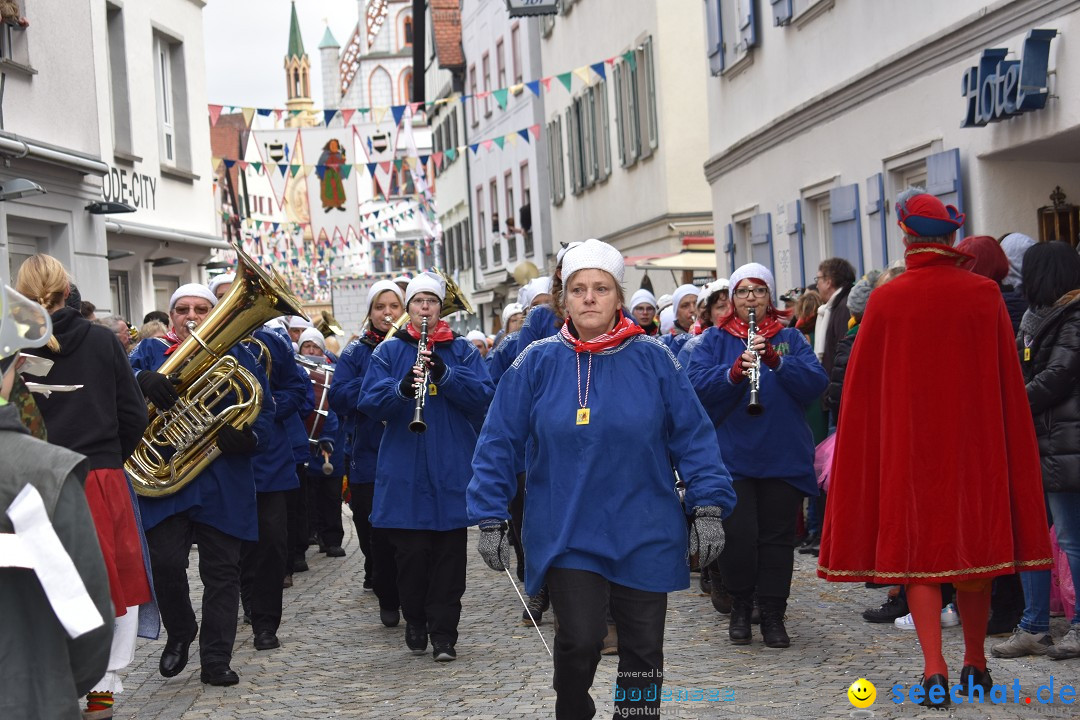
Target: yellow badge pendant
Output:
[(583, 416), (1027, 354), (432, 389)]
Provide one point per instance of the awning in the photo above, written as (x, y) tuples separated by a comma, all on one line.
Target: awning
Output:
[(156, 233), (698, 253)]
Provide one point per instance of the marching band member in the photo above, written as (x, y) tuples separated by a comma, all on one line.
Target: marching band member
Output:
[(478, 339), (103, 420), (716, 306), (325, 452), (595, 533), (684, 305), (385, 304), (513, 315), (217, 510), (759, 557), (420, 479), (643, 308)]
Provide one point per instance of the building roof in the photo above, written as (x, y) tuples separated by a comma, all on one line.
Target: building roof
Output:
[(328, 40), (446, 29), (296, 42)]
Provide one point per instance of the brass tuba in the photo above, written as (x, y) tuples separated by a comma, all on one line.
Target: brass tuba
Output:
[(181, 442), (455, 301)]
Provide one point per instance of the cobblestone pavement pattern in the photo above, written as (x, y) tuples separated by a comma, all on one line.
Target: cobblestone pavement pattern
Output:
[(337, 660)]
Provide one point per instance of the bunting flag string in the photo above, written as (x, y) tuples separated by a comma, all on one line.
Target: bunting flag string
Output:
[(586, 74)]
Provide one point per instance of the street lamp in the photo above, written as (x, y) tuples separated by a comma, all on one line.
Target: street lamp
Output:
[(107, 207), (19, 188)]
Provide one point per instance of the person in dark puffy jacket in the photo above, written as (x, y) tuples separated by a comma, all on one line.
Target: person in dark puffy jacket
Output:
[(856, 304), (1049, 345)]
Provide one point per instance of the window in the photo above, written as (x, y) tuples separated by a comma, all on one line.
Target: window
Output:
[(486, 64), (481, 227), (496, 248), (500, 63), (511, 226), (636, 122), (714, 37), (588, 138), (731, 31), (13, 44), (118, 84), (515, 52), (464, 244), (407, 31), (407, 86), (170, 84), (472, 95), (163, 65), (555, 161)]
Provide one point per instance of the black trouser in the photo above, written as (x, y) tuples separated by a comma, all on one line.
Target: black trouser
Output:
[(298, 521), (264, 564), (219, 567), (517, 524), (324, 492), (431, 579), (361, 496), (582, 600), (759, 535)]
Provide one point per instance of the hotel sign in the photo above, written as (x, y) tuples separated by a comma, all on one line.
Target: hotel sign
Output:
[(997, 89)]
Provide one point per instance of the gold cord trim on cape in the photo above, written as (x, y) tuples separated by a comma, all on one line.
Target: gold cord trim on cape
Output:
[(948, 574), (938, 250)]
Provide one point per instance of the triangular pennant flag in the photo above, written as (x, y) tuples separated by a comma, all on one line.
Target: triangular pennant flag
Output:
[(398, 112), (487, 145), (517, 89), (397, 163), (463, 98), (294, 113), (264, 112), (378, 113), (284, 169), (565, 78), (248, 114), (500, 97), (294, 169), (598, 68), (328, 115), (258, 167), (512, 138), (547, 83), (535, 130), (215, 162), (423, 160), (215, 113), (415, 107), (629, 57), (346, 116), (345, 170), (500, 141), (371, 169), (610, 61), (229, 164), (437, 157), (243, 164), (534, 86), (583, 73), (277, 113), (451, 154), (385, 166), (474, 147), (524, 134)]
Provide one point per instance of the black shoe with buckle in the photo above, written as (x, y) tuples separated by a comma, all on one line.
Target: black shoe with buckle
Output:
[(219, 674), (266, 640), (416, 638), (174, 657), (892, 608)]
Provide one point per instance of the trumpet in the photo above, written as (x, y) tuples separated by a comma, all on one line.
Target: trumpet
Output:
[(418, 425), (754, 373)]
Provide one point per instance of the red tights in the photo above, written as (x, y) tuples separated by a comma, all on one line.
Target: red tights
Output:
[(973, 601)]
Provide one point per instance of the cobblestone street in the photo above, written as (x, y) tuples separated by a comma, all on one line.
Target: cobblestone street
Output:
[(337, 660)]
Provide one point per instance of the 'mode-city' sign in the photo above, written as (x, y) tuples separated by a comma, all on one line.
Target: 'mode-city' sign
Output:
[(997, 88), (519, 8)]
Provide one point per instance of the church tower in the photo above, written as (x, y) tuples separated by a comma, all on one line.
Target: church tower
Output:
[(298, 78)]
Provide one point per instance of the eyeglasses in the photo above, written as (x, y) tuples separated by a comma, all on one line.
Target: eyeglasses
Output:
[(744, 292), (425, 301), (818, 278)]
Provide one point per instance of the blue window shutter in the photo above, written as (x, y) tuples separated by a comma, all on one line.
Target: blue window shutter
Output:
[(714, 34), (846, 228), (729, 248), (794, 230), (761, 242), (875, 213), (782, 11), (943, 178), (747, 24)]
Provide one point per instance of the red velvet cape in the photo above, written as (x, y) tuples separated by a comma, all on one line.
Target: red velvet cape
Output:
[(936, 472)]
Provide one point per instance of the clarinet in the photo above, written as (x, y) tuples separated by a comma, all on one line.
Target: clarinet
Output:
[(754, 373), (418, 425)]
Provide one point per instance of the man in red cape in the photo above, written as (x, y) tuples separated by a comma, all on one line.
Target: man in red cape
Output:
[(936, 473)]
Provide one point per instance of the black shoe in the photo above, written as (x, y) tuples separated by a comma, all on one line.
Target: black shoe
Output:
[(974, 676), (219, 674), (755, 616), (772, 623), (266, 640), (287, 582), (390, 618), (335, 551), (894, 607), (933, 681), (313, 539), (368, 585), (810, 545), (174, 657), (416, 638), (705, 582), (443, 652), (721, 599), (247, 619), (299, 565), (739, 624), (538, 603)]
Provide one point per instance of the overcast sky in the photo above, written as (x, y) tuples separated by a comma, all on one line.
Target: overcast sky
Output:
[(246, 42)]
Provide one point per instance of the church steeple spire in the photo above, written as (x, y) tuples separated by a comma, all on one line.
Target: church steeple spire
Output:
[(296, 41), (298, 77)]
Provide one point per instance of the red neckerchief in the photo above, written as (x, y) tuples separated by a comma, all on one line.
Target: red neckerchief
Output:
[(174, 341), (696, 328), (441, 333), (374, 336), (769, 326), (623, 330)]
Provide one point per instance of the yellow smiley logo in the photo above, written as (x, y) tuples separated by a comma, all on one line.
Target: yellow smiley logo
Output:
[(862, 693)]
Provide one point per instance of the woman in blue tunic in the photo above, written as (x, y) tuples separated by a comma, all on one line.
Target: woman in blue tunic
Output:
[(598, 530), (420, 479), (759, 557)]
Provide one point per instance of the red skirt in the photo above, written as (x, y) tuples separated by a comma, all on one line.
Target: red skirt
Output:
[(114, 519)]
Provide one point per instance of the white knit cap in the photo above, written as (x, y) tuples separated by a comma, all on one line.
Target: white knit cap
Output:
[(380, 287), (298, 322), (476, 335), (754, 270), (312, 335), (593, 255), (667, 320), (192, 290), (401, 279), (562, 252), (642, 297), (426, 282), (681, 292), (223, 279), (533, 288), (664, 301), (510, 311)]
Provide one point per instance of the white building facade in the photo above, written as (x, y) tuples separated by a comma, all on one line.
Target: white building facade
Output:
[(807, 153)]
